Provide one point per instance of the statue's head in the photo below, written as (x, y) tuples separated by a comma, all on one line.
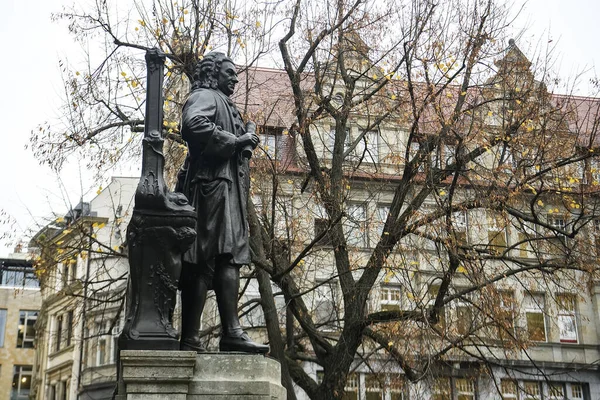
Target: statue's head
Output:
[(215, 71)]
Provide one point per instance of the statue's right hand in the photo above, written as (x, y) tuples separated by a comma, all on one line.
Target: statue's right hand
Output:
[(247, 139)]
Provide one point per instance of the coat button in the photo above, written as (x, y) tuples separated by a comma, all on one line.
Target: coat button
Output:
[(241, 174)]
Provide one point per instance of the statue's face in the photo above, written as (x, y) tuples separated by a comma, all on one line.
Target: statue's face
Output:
[(227, 78)]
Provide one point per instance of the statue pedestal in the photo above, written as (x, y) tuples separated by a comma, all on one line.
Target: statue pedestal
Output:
[(155, 374), (184, 375), (236, 376)]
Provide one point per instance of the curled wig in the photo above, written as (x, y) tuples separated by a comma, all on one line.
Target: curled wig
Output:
[(206, 74)]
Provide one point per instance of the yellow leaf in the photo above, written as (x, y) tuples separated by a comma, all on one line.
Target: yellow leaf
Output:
[(60, 242), (258, 24), (142, 22), (463, 93), (185, 11), (165, 21), (124, 73), (540, 203), (67, 231), (442, 193), (181, 19), (461, 270), (374, 76), (390, 344), (490, 113), (290, 181), (59, 220), (393, 97)]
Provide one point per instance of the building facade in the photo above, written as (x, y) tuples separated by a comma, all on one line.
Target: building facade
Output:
[(520, 335), (20, 303), (84, 275)]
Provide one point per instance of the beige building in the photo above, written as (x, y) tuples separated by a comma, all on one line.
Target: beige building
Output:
[(20, 303), (83, 282)]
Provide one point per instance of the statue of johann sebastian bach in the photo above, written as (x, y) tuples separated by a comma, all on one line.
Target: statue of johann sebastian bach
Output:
[(215, 178)]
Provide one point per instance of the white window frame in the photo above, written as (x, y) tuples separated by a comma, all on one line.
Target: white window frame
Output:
[(355, 224), (372, 147), (465, 387), (535, 303), (29, 315), (567, 318), (326, 295), (390, 295), (511, 394)]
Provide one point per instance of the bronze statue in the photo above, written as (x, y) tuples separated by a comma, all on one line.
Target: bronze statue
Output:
[(216, 180)]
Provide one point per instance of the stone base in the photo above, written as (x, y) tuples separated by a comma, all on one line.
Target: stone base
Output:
[(236, 376), (184, 375), (155, 374)]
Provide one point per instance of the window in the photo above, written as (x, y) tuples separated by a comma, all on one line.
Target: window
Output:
[(459, 218), (397, 387), (355, 225), (525, 235), (373, 387), (560, 224), (566, 318), (381, 215), (104, 343), (596, 235), (534, 305), (321, 226), (2, 326), (325, 307), (351, 389), (283, 218), (26, 332), (464, 318), (18, 276), (441, 389), (556, 391), (21, 383), (272, 142), (432, 291), (413, 152), (509, 389), (576, 391), (506, 315), (391, 297), (367, 148), (69, 327), (595, 171), (58, 333), (65, 274), (465, 388), (331, 143), (496, 231), (531, 391)]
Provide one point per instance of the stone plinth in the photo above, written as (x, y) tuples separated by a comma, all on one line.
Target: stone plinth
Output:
[(155, 375), (184, 375), (236, 376)]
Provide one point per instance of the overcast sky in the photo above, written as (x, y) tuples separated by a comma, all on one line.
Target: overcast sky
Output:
[(32, 45)]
